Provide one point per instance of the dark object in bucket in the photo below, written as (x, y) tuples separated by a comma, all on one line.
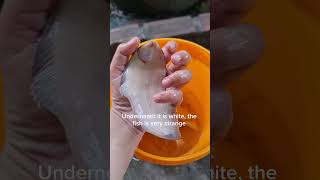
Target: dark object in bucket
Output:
[(156, 7)]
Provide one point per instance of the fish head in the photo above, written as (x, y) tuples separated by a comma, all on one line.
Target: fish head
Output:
[(151, 52)]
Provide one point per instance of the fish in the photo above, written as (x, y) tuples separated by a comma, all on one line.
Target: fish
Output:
[(140, 82)]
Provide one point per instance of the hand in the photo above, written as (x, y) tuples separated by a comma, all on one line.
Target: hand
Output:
[(34, 137), (178, 75), (236, 47)]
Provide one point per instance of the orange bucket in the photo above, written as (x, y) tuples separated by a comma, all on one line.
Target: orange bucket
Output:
[(195, 142)]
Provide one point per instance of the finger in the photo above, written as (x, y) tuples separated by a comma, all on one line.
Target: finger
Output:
[(22, 22), (235, 48), (221, 113), (31, 14), (121, 57), (169, 49), (181, 58), (171, 96), (228, 11), (178, 60), (177, 79)]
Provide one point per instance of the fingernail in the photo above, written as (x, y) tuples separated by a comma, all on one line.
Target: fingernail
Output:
[(165, 82), (186, 76), (178, 94), (133, 40), (187, 56), (180, 101), (157, 97), (172, 47), (177, 59)]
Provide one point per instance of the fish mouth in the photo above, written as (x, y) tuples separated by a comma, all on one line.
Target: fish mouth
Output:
[(149, 51), (170, 136), (173, 136)]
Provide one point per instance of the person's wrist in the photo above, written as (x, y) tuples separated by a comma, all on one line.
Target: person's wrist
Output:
[(116, 116), (124, 140)]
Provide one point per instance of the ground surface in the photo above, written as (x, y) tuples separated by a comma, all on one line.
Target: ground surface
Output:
[(119, 18), (140, 170)]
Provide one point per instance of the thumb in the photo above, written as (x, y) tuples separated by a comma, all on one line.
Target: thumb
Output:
[(21, 23), (121, 57)]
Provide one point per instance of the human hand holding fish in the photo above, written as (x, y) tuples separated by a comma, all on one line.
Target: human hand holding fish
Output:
[(153, 83)]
